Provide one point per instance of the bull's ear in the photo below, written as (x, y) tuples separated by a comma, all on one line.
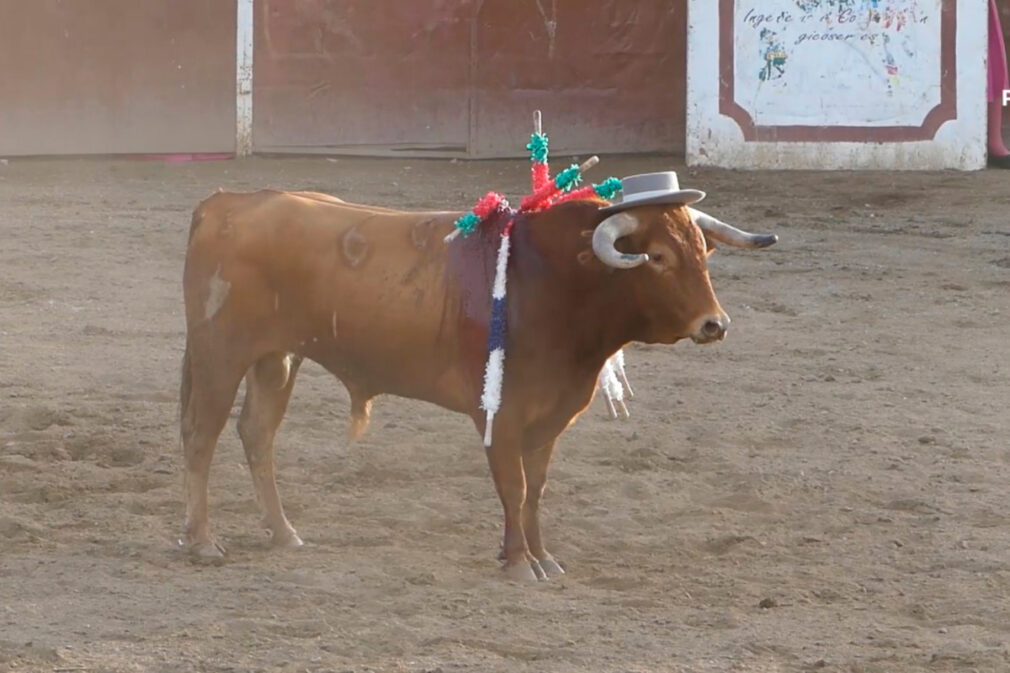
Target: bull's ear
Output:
[(710, 246)]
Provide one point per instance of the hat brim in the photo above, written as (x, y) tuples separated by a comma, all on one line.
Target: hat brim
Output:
[(682, 197)]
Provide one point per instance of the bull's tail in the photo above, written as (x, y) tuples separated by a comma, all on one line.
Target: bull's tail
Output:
[(186, 382)]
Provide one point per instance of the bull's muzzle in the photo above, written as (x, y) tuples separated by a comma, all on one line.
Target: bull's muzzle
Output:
[(711, 329)]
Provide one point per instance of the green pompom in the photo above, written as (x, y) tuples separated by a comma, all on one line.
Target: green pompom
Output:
[(538, 148), (568, 178), (467, 224), (608, 189)]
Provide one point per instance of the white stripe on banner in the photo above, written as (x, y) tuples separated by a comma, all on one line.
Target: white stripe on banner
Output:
[(493, 375), (501, 268)]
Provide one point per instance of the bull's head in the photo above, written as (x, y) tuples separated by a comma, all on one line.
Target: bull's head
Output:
[(662, 253)]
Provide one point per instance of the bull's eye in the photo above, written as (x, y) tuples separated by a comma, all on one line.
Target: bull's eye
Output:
[(662, 261)]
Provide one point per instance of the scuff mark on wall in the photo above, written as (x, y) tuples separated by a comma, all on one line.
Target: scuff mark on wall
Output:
[(550, 25)]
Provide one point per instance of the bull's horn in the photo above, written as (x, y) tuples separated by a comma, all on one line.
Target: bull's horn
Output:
[(730, 235), (605, 236)]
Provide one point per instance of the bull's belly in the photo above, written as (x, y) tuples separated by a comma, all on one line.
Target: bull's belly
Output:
[(408, 375), (418, 350)]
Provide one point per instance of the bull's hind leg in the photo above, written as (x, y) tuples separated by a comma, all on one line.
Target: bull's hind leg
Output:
[(208, 391), (361, 411), (269, 383)]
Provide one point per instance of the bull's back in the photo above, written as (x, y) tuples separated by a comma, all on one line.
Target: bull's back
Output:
[(316, 244), (365, 288)]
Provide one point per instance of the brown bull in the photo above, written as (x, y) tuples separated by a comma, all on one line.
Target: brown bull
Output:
[(377, 298)]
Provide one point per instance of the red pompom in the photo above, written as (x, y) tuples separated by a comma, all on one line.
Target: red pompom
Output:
[(487, 205)]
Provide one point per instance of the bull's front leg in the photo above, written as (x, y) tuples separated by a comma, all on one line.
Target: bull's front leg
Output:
[(535, 464), (505, 458)]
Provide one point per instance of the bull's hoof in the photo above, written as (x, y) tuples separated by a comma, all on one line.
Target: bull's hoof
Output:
[(523, 572), (551, 567), (205, 552), (286, 540)]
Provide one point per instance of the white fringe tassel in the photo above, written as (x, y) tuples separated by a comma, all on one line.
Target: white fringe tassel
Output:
[(491, 399), (619, 365), (610, 382)]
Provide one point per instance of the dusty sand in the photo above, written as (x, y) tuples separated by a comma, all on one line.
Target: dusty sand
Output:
[(824, 491)]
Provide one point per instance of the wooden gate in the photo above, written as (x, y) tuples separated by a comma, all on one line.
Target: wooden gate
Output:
[(460, 77)]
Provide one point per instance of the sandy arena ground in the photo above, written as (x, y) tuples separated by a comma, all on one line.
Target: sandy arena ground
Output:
[(824, 491)]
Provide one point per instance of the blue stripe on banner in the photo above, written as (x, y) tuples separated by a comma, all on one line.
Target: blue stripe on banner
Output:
[(496, 330)]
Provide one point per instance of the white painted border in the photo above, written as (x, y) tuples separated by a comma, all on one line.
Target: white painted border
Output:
[(716, 140), (244, 78)]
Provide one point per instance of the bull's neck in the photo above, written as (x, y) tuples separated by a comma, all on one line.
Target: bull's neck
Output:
[(577, 306), (600, 325)]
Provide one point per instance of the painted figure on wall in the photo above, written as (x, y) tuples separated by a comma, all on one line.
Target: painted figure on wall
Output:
[(883, 31), (774, 56), (891, 66)]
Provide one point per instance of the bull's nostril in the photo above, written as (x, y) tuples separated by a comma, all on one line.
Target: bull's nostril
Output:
[(712, 328)]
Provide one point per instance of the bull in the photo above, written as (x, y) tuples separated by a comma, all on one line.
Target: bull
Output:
[(379, 300)]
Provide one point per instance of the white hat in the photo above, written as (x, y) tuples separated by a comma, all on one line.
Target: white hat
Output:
[(653, 188)]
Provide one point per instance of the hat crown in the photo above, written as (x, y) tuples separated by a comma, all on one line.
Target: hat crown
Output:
[(661, 188), (665, 181)]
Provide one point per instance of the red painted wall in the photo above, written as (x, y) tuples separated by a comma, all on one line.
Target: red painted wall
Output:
[(436, 77), (117, 76)]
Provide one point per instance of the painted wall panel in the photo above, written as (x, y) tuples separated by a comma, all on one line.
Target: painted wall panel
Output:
[(837, 83)]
